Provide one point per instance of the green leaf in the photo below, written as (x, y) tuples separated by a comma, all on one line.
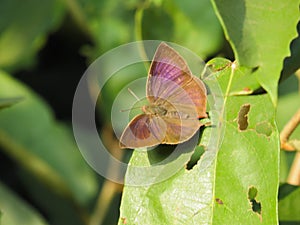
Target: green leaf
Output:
[(216, 190), (41, 145), (260, 34), (7, 102), (14, 210), (179, 199), (246, 159), (288, 207), (23, 29)]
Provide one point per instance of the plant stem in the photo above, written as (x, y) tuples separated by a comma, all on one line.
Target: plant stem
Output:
[(288, 130), (294, 175)]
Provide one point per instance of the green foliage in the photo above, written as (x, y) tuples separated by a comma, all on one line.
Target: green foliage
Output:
[(238, 165), (255, 30), (43, 147), (15, 211), (24, 27), (20, 142), (180, 23), (235, 182), (289, 197), (246, 158)]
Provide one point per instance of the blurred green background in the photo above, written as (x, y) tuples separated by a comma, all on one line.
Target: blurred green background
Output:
[(45, 47)]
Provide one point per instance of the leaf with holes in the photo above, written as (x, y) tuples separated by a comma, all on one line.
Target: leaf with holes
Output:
[(248, 157)]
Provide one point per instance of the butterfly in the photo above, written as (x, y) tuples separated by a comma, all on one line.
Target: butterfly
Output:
[(177, 99)]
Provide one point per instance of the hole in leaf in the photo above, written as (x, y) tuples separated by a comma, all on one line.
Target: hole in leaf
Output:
[(243, 117), (254, 69), (255, 205), (199, 150)]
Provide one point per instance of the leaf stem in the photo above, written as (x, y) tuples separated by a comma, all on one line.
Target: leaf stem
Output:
[(138, 18), (294, 175), (287, 131)]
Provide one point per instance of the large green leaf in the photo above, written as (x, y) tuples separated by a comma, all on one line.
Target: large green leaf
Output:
[(43, 147), (23, 29), (248, 157), (260, 33), (15, 211), (220, 188)]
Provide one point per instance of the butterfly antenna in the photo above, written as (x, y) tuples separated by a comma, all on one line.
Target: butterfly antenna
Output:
[(137, 98), (124, 110), (133, 94)]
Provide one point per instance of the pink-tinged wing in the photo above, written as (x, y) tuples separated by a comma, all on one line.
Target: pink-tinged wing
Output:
[(143, 131), (171, 80)]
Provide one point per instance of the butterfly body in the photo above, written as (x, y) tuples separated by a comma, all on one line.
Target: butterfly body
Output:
[(177, 100), (154, 110)]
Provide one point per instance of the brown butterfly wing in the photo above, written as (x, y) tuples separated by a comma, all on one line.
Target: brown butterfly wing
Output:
[(143, 131), (170, 79), (180, 130), (171, 84)]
